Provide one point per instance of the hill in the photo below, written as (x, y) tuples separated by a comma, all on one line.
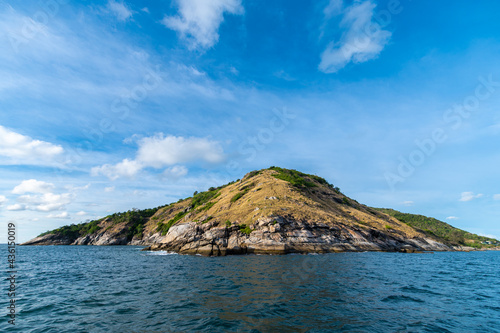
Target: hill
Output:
[(272, 210), (441, 231)]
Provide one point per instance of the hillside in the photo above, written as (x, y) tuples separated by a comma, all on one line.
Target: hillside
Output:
[(272, 210), (441, 230)]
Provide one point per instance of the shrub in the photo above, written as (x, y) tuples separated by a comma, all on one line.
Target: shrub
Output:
[(244, 190), (164, 227), (294, 177), (388, 226), (204, 197), (253, 173), (207, 206), (245, 229), (237, 196), (228, 223)]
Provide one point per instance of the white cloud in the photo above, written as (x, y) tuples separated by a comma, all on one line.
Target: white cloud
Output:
[(452, 218), (126, 168), (16, 207), (120, 10), (199, 20), (468, 196), (16, 148), (46, 202), (63, 215), (362, 40), (77, 188), (33, 186), (81, 213), (161, 151), (109, 189), (496, 197), (2, 199), (175, 172), (408, 203)]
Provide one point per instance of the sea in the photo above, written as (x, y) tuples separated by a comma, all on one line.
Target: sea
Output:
[(123, 289)]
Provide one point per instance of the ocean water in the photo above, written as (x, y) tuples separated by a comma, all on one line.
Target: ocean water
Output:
[(121, 289)]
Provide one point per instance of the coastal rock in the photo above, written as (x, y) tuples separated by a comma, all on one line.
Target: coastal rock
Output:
[(50, 239), (189, 238)]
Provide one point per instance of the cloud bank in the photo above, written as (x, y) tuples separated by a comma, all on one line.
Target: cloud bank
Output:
[(161, 151), (20, 149)]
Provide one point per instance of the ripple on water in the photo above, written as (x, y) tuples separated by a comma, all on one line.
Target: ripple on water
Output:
[(111, 289)]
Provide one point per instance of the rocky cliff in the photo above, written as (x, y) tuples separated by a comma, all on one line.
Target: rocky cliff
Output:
[(273, 211)]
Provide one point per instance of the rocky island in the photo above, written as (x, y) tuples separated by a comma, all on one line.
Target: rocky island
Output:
[(270, 211)]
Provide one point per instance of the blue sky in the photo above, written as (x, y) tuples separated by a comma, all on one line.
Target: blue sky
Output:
[(111, 105)]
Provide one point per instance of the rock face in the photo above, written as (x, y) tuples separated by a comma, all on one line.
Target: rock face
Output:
[(278, 235), (272, 211), (50, 239)]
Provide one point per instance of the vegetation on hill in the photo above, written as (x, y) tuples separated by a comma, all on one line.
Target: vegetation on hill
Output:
[(441, 230), (74, 231), (135, 218), (300, 179)]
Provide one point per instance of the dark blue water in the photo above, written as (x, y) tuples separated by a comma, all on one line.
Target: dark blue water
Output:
[(121, 289)]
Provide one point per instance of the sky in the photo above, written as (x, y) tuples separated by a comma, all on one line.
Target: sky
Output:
[(111, 105)]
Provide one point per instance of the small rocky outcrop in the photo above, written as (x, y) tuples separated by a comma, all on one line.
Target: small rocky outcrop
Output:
[(50, 239)]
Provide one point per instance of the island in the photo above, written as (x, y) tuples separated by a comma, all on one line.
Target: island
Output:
[(269, 211)]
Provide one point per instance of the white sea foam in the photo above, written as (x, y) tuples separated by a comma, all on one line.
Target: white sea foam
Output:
[(159, 253)]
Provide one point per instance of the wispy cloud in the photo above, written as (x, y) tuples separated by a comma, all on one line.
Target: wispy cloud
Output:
[(175, 172), (362, 40), (496, 197), (3, 199), (63, 215), (109, 189), (161, 151), (199, 20), (120, 10), (333, 8), (20, 149), (452, 218), (408, 203), (468, 196)]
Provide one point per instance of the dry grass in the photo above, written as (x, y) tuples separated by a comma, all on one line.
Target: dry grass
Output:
[(262, 195)]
